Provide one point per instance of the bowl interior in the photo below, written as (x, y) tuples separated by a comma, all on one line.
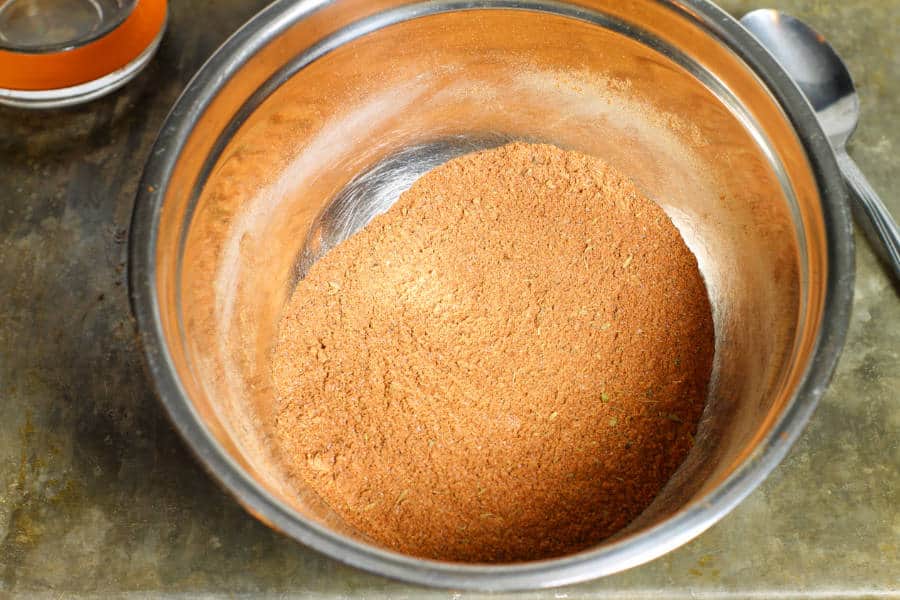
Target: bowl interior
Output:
[(337, 114)]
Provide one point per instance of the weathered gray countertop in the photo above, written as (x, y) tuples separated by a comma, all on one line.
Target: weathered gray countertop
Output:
[(98, 496)]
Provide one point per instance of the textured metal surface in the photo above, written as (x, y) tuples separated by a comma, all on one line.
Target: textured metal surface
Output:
[(99, 496)]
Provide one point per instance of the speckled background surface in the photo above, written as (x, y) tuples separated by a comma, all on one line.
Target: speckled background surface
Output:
[(98, 496)]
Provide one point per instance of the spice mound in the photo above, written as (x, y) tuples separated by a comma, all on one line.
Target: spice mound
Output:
[(507, 365)]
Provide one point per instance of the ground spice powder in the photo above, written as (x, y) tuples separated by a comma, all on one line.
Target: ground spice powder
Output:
[(507, 365)]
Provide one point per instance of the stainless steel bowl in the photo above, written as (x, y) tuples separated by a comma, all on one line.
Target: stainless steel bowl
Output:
[(316, 115)]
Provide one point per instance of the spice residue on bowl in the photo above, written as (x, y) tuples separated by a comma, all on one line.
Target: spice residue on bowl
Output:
[(507, 365)]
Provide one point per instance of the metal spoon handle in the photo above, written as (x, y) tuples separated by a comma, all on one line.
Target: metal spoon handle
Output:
[(873, 215)]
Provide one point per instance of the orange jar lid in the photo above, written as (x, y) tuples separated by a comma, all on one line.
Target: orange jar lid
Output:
[(96, 59)]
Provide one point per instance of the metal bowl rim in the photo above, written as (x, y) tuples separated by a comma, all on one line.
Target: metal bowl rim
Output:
[(628, 552)]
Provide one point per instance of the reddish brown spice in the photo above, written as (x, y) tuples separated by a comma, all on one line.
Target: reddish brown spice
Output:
[(507, 365)]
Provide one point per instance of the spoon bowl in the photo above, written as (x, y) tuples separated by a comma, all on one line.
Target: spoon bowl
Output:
[(826, 82), (814, 66)]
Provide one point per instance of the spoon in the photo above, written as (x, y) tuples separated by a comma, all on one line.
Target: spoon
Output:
[(825, 81)]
